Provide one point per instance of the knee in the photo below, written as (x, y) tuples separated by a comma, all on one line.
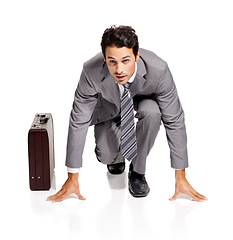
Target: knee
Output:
[(151, 114), (104, 157), (149, 109)]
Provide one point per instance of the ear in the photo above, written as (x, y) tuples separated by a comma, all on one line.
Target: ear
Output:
[(137, 57), (104, 58)]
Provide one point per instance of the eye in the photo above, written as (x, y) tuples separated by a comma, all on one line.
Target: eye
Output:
[(112, 61), (126, 61)]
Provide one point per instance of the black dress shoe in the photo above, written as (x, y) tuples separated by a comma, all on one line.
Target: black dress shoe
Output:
[(116, 168), (138, 186)]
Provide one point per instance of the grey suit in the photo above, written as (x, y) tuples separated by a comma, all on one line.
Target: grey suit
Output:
[(97, 102)]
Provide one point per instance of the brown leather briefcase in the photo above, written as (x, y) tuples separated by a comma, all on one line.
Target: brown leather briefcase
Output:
[(41, 152)]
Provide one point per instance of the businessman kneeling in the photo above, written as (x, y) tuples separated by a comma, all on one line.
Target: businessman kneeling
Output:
[(113, 84)]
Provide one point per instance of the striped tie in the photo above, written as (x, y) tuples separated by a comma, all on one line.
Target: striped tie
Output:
[(128, 135)]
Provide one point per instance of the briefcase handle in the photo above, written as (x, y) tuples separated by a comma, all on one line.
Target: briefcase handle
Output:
[(43, 118)]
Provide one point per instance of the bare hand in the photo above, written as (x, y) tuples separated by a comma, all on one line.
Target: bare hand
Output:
[(71, 186), (183, 186)]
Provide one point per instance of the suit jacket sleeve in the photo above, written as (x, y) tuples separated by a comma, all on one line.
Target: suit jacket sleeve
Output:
[(84, 103), (173, 120)]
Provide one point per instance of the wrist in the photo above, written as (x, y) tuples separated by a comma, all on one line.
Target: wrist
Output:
[(73, 176), (179, 174)]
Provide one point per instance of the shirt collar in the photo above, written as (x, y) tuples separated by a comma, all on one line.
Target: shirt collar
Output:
[(134, 74)]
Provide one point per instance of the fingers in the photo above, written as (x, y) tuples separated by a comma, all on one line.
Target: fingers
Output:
[(194, 194), (197, 196), (57, 197), (80, 197), (187, 189), (174, 196), (61, 197), (65, 191)]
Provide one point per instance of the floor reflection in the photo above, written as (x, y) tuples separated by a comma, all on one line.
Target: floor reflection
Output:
[(183, 206), (109, 218)]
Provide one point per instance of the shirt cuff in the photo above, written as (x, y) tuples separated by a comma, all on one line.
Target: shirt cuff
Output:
[(73, 170)]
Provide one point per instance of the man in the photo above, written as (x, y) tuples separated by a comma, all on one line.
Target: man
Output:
[(109, 84)]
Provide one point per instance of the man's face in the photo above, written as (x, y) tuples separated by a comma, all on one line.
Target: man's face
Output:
[(121, 63)]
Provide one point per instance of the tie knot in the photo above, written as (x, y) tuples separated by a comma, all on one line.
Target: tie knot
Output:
[(126, 85)]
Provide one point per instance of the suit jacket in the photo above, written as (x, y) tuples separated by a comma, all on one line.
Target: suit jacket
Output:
[(97, 99)]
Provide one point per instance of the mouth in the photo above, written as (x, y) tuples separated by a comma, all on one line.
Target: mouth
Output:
[(119, 77)]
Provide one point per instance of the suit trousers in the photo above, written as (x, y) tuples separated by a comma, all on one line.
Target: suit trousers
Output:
[(108, 135)]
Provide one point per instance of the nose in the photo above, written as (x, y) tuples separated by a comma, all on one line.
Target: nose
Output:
[(119, 69)]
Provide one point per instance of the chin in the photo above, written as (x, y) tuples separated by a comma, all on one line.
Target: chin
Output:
[(122, 82)]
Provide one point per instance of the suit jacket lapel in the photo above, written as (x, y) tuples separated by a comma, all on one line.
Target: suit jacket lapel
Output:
[(110, 89), (139, 80)]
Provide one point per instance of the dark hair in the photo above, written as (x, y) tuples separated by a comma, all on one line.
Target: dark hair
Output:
[(121, 36)]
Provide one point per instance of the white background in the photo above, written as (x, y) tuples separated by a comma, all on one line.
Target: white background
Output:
[(43, 45)]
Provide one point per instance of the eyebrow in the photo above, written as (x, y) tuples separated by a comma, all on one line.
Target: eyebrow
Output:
[(122, 58), (126, 57)]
